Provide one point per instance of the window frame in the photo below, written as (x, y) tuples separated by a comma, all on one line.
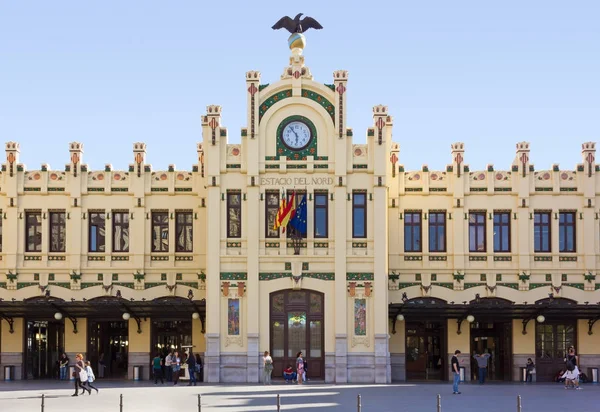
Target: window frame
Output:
[(502, 227), (90, 225), (356, 207), (562, 231), (298, 195), (116, 224), (476, 225), (541, 224), (413, 227), (182, 225), (230, 195), (437, 226), (268, 207), (325, 209), (29, 213), (161, 225), (52, 225)]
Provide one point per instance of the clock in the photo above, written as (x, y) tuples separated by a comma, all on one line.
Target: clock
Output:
[(296, 135)]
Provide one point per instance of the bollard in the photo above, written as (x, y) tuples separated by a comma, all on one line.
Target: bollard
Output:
[(439, 403), (121, 403), (199, 403), (278, 403), (42, 402), (358, 403), (518, 403)]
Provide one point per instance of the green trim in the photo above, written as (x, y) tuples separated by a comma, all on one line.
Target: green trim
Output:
[(184, 258), (159, 258), (477, 258), (153, 285), (56, 189), (502, 258), (321, 100), (360, 166), (32, 258), (514, 286), (478, 189), (321, 245), (281, 275), (331, 86), (404, 285), (273, 276), (95, 189), (502, 189), (32, 189), (119, 189), (438, 189), (96, 258), (189, 284), (538, 285), (542, 258), (261, 87), (543, 189), (233, 276), (359, 276), (447, 285), (568, 189), (567, 258), (271, 166), (233, 166), (90, 284), (438, 258), (125, 284), (159, 189), (413, 189), (472, 285), (65, 285), (183, 189), (412, 258), (21, 285), (119, 258), (271, 100), (320, 276), (575, 285)]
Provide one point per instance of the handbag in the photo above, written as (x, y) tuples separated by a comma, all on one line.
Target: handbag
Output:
[(83, 376)]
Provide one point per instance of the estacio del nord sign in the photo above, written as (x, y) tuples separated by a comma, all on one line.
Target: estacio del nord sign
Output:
[(296, 181)]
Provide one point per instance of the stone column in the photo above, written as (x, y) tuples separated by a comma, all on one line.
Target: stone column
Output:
[(461, 342), (12, 345), (75, 342), (139, 348), (523, 346)]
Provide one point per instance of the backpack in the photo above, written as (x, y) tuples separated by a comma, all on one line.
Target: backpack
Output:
[(570, 366)]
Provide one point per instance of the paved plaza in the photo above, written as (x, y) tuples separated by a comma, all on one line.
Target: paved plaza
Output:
[(25, 397)]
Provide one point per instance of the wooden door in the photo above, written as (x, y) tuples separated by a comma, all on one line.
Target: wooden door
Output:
[(552, 342), (297, 325)]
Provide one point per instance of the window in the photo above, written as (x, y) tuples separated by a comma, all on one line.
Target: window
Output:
[(58, 232), (234, 214), (34, 231), (566, 232), (271, 209), (321, 220), (437, 231), (184, 228), (160, 231), (501, 231), (541, 232), (412, 232), (477, 232), (120, 231), (359, 214), (97, 231)]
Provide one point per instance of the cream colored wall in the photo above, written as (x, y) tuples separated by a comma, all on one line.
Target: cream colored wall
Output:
[(198, 339), (76, 342), (523, 344), (461, 342), (139, 342), (398, 340), (587, 344), (12, 342)]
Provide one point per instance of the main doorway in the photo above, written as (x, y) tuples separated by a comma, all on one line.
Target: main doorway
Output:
[(495, 339), (297, 325), (45, 342), (171, 335), (552, 342), (108, 348), (425, 351)]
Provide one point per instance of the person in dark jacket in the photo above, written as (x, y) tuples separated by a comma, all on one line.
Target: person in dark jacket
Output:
[(191, 363), (530, 368), (199, 368)]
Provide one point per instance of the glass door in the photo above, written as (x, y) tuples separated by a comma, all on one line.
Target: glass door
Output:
[(552, 342), (44, 341), (424, 351), (108, 348)]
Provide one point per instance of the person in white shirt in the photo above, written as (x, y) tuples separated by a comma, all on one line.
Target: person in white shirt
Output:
[(168, 366), (91, 377)]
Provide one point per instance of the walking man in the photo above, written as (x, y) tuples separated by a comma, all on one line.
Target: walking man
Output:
[(168, 366), (455, 372), (482, 364)]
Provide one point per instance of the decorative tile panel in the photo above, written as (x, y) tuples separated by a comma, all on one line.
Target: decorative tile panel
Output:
[(359, 276), (233, 276)]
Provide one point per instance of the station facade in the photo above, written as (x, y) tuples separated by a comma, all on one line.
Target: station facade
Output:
[(395, 271)]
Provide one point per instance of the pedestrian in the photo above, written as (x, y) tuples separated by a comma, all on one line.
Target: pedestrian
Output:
[(101, 366), (482, 364), (289, 375), (191, 363), (530, 369), (299, 367), (267, 368), (64, 366), (176, 367), (91, 376), (572, 374), (456, 372), (157, 369), (169, 366), (80, 375), (304, 378)]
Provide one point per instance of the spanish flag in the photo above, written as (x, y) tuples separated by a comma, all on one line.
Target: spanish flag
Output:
[(285, 213)]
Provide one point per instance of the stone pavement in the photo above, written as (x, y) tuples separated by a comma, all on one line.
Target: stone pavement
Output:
[(144, 396)]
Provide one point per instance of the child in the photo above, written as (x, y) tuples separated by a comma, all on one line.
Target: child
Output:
[(91, 377)]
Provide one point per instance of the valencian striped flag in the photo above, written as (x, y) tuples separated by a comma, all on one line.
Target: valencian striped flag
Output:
[(285, 213), (298, 222)]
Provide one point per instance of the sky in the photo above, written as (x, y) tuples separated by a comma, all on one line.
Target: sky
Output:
[(487, 73)]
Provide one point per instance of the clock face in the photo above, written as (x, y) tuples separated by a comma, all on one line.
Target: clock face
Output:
[(296, 135)]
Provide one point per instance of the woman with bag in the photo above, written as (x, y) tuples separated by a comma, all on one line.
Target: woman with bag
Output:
[(267, 368), (572, 374), (91, 376), (299, 367), (80, 375)]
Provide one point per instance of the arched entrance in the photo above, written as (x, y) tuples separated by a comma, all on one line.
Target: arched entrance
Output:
[(297, 324)]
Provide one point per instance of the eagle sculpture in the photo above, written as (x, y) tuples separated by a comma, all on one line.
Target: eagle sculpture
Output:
[(296, 25)]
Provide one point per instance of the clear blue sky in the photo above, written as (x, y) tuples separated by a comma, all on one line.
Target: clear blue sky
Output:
[(488, 73)]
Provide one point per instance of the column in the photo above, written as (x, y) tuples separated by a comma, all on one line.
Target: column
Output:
[(462, 343), (12, 345), (75, 342), (139, 347)]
